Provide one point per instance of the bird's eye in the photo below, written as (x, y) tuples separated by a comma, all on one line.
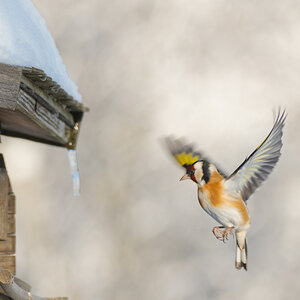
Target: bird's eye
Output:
[(191, 172)]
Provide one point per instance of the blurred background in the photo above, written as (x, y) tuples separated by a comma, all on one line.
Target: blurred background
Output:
[(209, 70)]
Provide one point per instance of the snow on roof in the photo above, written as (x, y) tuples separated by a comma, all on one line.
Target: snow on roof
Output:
[(26, 41)]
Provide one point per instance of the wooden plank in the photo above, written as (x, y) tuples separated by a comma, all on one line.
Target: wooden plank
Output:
[(11, 224), (3, 204), (8, 262), (17, 124), (7, 221), (43, 118), (4, 187), (8, 246), (50, 87), (11, 203), (9, 85), (57, 107)]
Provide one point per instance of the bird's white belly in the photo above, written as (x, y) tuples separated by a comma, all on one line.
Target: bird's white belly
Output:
[(227, 216)]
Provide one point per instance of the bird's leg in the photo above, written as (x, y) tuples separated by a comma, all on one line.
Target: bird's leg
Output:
[(223, 233)]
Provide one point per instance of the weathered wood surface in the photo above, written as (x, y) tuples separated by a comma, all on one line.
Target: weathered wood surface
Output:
[(3, 202), (34, 107), (8, 262), (7, 221), (47, 100), (9, 83), (8, 246), (40, 79), (13, 290), (43, 118), (11, 202)]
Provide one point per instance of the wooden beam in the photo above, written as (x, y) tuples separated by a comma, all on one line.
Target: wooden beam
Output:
[(11, 203), (44, 119), (3, 203), (34, 107), (11, 224), (7, 221), (48, 101), (8, 262), (9, 245)]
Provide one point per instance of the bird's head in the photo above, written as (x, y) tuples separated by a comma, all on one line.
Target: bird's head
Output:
[(197, 167), (199, 172)]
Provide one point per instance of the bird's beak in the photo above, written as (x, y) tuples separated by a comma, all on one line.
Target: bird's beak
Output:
[(184, 177)]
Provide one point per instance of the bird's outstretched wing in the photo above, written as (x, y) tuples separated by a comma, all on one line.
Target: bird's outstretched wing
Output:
[(256, 168), (184, 153)]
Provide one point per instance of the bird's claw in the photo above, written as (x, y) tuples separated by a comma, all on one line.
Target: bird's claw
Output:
[(222, 235), (226, 232), (218, 233)]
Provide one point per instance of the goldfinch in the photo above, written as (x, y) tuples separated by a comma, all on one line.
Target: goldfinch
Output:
[(225, 198)]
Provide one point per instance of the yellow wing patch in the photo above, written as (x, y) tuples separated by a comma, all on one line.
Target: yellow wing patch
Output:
[(182, 152), (186, 159)]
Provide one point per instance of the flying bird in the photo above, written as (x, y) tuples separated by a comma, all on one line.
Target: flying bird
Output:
[(225, 197)]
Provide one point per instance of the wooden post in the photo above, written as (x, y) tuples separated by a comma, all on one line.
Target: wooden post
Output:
[(34, 107), (11, 287), (7, 221)]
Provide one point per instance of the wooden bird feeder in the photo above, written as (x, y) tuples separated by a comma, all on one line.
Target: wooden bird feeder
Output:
[(33, 107)]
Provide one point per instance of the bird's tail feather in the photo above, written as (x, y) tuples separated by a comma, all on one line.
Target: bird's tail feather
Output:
[(241, 251)]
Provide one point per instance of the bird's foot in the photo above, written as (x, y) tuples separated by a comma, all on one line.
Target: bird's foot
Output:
[(226, 232), (222, 235), (218, 233)]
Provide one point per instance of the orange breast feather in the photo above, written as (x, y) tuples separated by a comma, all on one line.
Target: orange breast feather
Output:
[(214, 190), (215, 193)]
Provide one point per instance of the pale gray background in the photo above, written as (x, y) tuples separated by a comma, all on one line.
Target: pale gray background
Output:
[(208, 70)]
